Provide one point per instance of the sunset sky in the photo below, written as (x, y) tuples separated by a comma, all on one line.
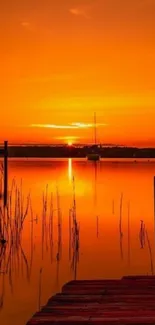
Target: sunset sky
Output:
[(63, 60)]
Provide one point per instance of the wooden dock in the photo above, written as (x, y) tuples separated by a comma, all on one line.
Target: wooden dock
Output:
[(130, 300)]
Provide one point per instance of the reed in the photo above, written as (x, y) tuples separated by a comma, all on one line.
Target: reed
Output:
[(12, 217), (12, 220), (51, 215), (2, 292), (120, 219), (48, 224), (129, 232), (59, 224), (154, 205), (142, 234), (70, 232), (120, 227), (97, 226), (1, 181), (75, 235), (40, 289), (45, 215), (43, 227), (13, 259), (44, 211), (150, 252), (32, 235)]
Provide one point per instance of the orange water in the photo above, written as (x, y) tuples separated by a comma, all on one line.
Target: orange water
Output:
[(98, 189)]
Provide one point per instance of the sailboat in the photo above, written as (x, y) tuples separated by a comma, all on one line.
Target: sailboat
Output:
[(94, 156)]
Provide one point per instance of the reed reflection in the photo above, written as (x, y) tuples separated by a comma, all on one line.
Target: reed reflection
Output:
[(95, 167), (13, 260), (129, 245), (59, 235), (120, 227), (13, 264), (74, 235)]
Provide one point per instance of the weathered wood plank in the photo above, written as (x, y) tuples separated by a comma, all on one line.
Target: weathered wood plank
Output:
[(112, 281), (108, 291), (119, 305), (139, 286), (91, 313), (130, 300), (93, 321), (139, 277), (62, 298), (74, 298), (51, 320), (94, 282)]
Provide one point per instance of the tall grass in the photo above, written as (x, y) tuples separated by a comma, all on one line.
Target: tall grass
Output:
[(1, 181), (129, 245), (40, 289), (59, 224), (51, 215), (120, 227), (59, 235), (142, 234), (70, 232), (150, 253), (12, 219), (97, 226), (44, 220), (74, 238)]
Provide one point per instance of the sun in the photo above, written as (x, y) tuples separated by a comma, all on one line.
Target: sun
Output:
[(70, 143)]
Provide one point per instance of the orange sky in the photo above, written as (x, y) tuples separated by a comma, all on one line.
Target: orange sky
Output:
[(61, 60)]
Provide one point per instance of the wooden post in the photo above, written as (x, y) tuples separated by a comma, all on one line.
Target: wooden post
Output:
[(5, 172), (154, 196), (154, 203)]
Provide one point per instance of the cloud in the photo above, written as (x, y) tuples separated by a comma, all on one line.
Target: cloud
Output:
[(53, 126), (87, 125), (68, 126), (79, 12)]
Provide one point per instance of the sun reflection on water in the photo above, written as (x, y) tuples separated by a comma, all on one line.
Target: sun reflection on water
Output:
[(70, 169)]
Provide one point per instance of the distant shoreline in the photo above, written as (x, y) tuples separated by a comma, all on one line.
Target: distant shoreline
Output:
[(102, 160), (80, 152)]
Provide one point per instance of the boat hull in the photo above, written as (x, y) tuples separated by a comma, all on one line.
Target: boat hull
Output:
[(93, 157)]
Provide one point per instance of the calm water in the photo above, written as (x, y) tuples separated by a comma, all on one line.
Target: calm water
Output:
[(40, 268)]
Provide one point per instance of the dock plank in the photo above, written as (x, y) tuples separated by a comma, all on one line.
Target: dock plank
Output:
[(130, 300), (94, 321), (110, 291), (97, 288)]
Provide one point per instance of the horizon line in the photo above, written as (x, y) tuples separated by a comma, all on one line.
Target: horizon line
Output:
[(76, 145)]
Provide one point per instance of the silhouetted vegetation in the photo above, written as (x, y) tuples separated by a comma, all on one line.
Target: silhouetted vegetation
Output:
[(80, 151)]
